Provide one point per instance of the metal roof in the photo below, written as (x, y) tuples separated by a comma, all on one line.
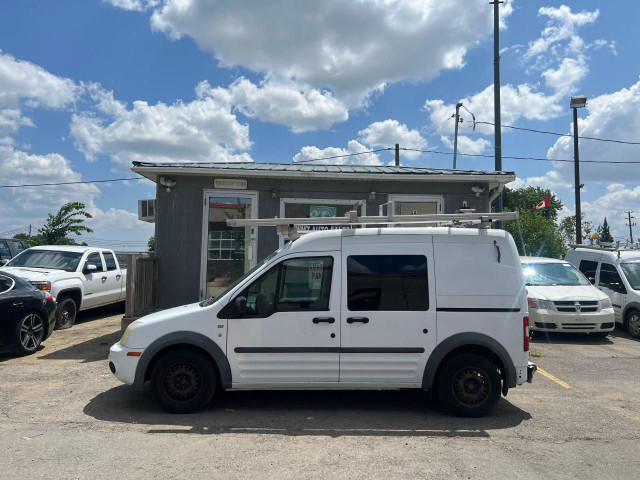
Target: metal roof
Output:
[(150, 170)]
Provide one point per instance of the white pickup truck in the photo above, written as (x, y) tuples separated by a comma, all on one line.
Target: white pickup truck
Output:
[(78, 278)]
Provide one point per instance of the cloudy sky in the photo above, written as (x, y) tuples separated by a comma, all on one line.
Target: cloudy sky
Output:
[(88, 86)]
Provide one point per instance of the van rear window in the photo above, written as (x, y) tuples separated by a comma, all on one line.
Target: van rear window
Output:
[(396, 283)]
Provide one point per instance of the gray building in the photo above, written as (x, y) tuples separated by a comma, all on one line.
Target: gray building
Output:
[(199, 255)]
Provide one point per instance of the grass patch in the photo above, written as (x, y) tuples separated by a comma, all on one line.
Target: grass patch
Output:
[(536, 354)]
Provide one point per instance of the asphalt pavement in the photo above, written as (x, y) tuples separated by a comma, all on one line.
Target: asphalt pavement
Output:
[(65, 416)]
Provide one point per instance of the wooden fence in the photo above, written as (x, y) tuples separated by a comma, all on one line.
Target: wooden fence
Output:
[(142, 286)]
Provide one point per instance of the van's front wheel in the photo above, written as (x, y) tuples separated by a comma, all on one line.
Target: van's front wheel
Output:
[(183, 380), (469, 385)]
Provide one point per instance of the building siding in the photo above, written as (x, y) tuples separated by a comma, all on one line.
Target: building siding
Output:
[(179, 218)]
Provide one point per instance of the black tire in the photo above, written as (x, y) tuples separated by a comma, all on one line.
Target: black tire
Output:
[(184, 381), (469, 385), (66, 313), (632, 323), (29, 333)]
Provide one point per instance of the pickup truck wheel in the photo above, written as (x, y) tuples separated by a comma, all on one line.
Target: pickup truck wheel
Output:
[(184, 381), (633, 323), (469, 385), (29, 334), (66, 313)]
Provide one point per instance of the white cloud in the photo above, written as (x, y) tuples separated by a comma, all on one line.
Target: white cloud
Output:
[(553, 180), (352, 48), (613, 116), (568, 74), (467, 144), (134, 5), (562, 25), (309, 153), (202, 130), (613, 205), (22, 80), (280, 101), (522, 101), (387, 133)]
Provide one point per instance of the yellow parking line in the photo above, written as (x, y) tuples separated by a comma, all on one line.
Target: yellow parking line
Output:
[(551, 377)]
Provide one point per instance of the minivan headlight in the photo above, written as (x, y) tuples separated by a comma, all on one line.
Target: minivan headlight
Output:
[(539, 304), (127, 333), (606, 303)]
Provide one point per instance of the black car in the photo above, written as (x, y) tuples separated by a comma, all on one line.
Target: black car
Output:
[(27, 315)]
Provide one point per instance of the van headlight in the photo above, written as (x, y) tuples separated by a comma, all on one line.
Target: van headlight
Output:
[(539, 304), (606, 303), (127, 333)]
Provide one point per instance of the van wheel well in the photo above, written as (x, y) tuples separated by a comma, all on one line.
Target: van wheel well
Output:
[(74, 295), (179, 346), (478, 350)]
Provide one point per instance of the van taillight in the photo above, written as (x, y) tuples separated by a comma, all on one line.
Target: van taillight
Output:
[(525, 332)]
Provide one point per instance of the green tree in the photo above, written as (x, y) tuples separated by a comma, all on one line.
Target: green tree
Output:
[(68, 220), (535, 232), (604, 234), (568, 230), (151, 244), (32, 241)]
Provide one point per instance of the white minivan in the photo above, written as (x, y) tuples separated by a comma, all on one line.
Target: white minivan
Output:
[(561, 299), (616, 272), (442, 309)]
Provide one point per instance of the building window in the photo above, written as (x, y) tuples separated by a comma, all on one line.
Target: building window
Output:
[(387, 283)]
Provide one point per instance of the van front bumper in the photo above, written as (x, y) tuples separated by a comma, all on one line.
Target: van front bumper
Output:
[(123, 362), (551, 321)]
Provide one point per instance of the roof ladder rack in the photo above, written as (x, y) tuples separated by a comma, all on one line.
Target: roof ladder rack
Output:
[(352, 219)]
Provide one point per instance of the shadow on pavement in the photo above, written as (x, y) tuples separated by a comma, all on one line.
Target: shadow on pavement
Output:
[(96, 349), (100, 312), (299, 413)]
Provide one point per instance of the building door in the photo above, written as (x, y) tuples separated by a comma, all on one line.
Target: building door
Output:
[(228, 252), (388, 319)]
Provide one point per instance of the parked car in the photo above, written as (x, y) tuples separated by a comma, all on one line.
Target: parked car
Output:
[(616, 272), (9, 248), (27, 315), (382, 308), (78, 278), (561, 299)]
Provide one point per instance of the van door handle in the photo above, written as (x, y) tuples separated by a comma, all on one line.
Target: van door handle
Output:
[(357, 320), (324, 320), (118, 277), (104, 279)]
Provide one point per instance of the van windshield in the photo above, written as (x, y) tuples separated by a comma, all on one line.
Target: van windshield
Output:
[(632, 272), (49, 259), (548, 274)]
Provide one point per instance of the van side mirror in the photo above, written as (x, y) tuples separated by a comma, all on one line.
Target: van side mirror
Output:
[(90, 268), (241, 306)]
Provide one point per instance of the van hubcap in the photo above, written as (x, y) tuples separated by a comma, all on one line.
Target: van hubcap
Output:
[(471, 386), (182, 382), (31, 332)]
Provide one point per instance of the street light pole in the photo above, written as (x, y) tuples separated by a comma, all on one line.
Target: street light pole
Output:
[(497, 142), (576, 103)]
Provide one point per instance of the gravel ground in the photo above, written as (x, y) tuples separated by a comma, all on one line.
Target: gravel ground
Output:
[(65, 416)]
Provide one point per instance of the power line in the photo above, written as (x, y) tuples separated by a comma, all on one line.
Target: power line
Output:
[(69, 183), (344, 155), (523, 158), (557, 134)]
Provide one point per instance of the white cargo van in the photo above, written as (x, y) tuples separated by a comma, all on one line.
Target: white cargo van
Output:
[(561, 299), (615, 271), (442, 309)]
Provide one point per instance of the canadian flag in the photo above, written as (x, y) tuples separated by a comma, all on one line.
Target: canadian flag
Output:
[(545, 203)]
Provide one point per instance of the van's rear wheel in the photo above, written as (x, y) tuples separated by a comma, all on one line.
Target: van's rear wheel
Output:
[(469, 385), (183, 380)]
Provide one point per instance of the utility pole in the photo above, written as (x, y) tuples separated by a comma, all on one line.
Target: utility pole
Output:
[(29, 231), (496, 98), (455, 137), (630, 226), (397, 154)]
